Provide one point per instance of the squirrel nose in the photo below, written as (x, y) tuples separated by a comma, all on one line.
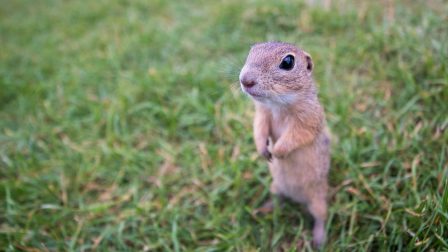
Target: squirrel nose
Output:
[(248, 82)]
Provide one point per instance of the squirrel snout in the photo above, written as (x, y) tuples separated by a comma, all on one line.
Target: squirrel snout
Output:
[(248, 82)]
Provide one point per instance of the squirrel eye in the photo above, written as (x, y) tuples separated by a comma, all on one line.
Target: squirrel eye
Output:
[(287, 62)]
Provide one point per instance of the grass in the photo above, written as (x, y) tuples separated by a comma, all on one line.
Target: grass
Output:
[(122, 126)]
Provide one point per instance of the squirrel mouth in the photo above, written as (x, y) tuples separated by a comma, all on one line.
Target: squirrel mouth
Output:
[(252, 93)]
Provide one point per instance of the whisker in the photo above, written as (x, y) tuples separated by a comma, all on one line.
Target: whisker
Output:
[(231, 68)]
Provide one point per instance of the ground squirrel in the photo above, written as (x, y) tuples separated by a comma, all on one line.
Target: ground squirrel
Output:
[(289, 126)]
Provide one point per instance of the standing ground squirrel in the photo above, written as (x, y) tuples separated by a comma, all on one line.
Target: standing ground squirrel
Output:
[(289, 126)]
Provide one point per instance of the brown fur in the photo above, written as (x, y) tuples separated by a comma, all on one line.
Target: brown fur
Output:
[(289, 123)]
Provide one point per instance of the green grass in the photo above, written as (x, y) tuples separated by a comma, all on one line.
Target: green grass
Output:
[(122, 126)]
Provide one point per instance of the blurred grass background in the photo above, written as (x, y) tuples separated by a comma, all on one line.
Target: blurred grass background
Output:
[(122, 126)]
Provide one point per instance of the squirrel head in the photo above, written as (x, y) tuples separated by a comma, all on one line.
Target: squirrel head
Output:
[(277, 72)]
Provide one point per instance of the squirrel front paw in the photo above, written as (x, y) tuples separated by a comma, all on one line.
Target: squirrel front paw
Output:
[(267, 154), (279, 152), (263, 150)]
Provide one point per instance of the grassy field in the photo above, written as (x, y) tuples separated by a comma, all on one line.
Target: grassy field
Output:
[(122, 126)]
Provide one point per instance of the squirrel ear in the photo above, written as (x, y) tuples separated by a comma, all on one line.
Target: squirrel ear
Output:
[(309, 62)]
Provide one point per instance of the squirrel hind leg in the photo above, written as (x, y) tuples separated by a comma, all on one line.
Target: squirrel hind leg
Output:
[(269, 205)]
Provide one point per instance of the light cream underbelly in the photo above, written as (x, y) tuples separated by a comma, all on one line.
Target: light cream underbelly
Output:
[(297, 176)]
